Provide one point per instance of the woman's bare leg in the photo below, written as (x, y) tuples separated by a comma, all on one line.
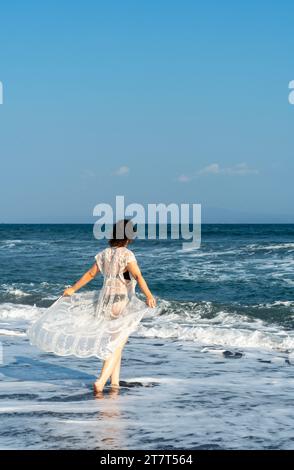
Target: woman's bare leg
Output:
[(106, 371), (108, 368), (115, 373), (116, 311)]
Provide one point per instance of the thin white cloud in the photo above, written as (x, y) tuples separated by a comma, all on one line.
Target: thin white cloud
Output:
[(216, 169), (240, 169), (88, 174), (184, 178), (213, 168), (122, 171)]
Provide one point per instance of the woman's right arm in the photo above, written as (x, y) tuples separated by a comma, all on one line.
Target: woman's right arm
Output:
[(87, 277), (134, 269)]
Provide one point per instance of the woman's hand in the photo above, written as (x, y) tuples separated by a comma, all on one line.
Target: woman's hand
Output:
[(69, 291), (150, 301)]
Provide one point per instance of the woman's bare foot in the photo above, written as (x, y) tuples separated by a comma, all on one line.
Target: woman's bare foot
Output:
[(114, 385), (98, 387)]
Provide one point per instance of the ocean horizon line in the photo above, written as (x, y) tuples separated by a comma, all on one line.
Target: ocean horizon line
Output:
[(157, 224)]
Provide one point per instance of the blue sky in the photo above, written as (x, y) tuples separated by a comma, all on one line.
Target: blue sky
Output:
[(160, 101)]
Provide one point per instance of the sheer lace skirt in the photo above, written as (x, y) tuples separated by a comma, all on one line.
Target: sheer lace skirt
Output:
[(88, 324)]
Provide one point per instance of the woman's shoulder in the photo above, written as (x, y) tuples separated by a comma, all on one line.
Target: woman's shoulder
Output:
[(103, 252), (130, 256)]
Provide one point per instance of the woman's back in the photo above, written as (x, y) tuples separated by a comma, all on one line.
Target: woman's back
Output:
[(112, 261)]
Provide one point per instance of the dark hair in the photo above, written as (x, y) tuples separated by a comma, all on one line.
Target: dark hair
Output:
[(122, 232)]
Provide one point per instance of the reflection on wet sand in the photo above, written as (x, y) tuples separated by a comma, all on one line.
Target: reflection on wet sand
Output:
[(112, 431)]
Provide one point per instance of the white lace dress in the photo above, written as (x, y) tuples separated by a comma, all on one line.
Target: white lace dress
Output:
[(93, 323)]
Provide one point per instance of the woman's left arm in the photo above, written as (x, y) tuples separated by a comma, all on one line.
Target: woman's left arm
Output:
[(134, 269), (87, 277)]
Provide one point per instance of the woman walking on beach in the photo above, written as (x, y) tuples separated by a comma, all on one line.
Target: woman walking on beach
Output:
[(98, 324)]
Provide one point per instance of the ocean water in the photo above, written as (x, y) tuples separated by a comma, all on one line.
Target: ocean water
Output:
[(213, 370)]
